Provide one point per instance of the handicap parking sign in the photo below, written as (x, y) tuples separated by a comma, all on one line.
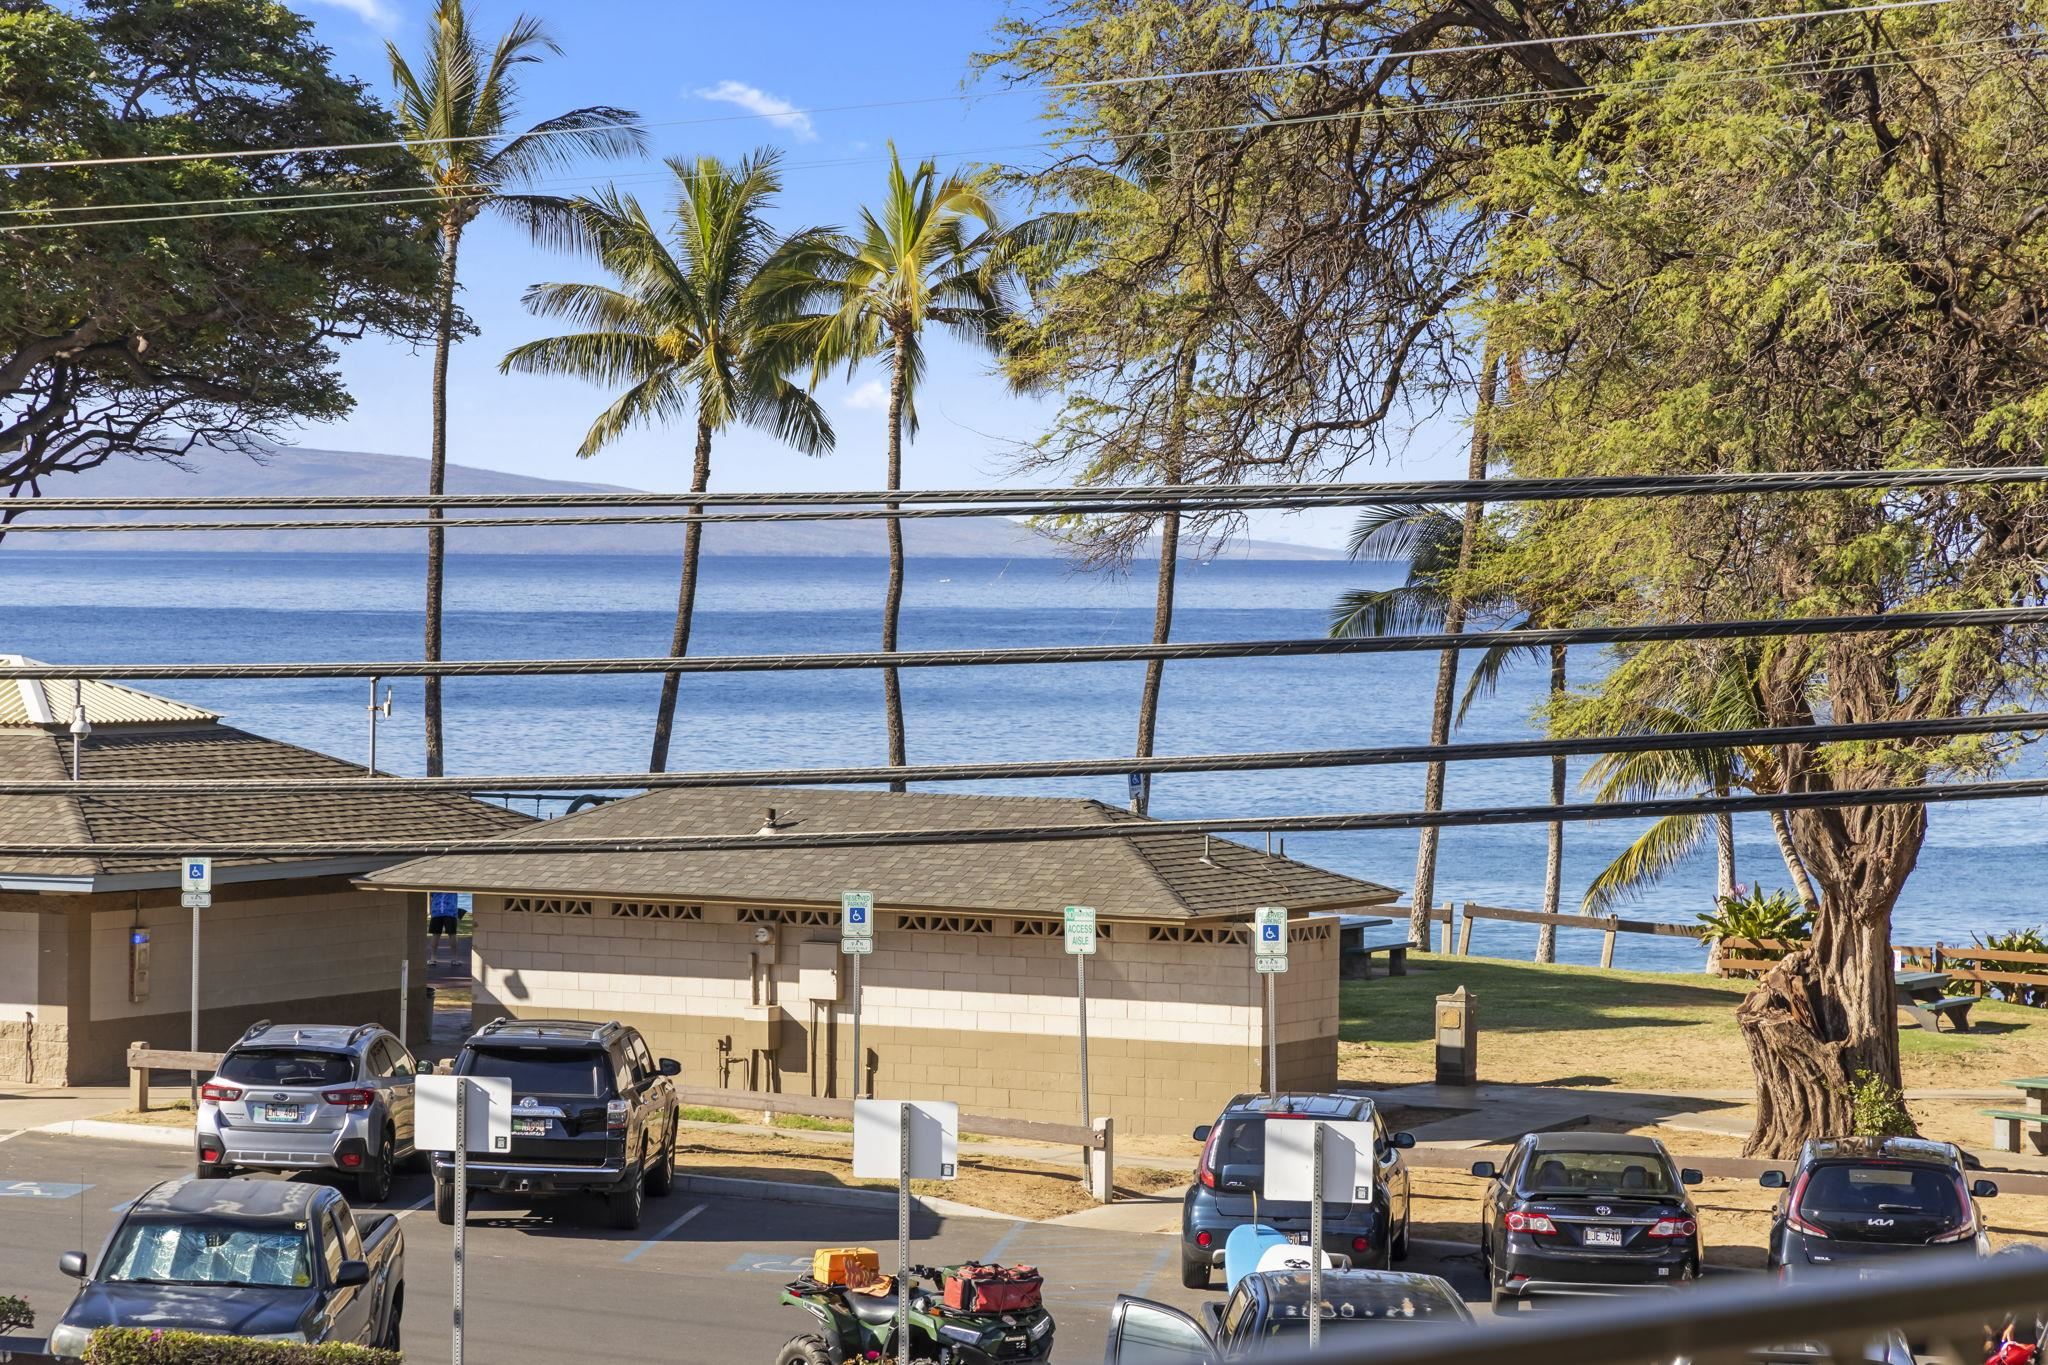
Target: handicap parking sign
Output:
[(1270, 933)]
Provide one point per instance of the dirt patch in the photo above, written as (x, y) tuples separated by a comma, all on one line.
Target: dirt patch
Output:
[(1001, 1184), (176, 1116)]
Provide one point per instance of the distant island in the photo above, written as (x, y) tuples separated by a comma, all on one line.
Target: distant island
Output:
[(301, 471)]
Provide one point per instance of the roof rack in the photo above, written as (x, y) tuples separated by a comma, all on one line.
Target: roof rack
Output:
[(260, 1026), (360, 1029), (494, 1025)]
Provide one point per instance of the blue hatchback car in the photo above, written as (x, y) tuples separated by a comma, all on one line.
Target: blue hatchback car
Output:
[(1228, 1190)]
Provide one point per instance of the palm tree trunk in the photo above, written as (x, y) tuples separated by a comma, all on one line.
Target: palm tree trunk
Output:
[(1553, 863), (686, 604), (892, 606), (437, 477), (1447, 672), (1801, 883), (1169, 572), (1724, 850)]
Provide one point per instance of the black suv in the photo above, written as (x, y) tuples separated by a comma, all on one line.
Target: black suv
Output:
[(1852, 1200), (592, 1113)]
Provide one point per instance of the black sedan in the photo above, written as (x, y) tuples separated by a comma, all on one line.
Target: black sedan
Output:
[(1586, 1213), (1857, 1203)]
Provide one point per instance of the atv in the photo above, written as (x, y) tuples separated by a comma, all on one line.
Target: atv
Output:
[(855, 1325)]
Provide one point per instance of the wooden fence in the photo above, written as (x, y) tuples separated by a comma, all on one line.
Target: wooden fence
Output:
[(1965, 966), (1610, 926)]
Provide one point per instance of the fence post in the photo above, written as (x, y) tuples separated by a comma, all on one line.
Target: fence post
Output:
[(1102, 1162), (138, 1083), (1465, 932), (1607, 949)]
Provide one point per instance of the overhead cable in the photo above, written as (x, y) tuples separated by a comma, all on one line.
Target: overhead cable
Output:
[(515, 784), (1432, 642), (791, 839)]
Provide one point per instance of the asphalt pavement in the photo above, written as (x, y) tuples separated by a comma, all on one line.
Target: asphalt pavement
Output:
[(697, 1281)]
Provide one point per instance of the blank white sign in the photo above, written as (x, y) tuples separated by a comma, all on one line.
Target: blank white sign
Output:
[(490, 1113), (878, 1139), (1349, 1154)]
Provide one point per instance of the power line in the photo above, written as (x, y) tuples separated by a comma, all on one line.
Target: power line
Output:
[(1435, 642), (1151, 78), (1120, 827), (1108, 499), (1268, 761)]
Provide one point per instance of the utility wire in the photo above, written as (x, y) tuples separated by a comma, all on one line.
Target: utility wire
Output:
[(1090, 498), (1434, 642), (1119, 826), (1163, 77), (1270, 761)]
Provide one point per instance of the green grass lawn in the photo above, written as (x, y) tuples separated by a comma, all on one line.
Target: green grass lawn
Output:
[(1652, 1030)]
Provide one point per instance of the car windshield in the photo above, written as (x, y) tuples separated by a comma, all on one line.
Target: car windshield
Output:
[(1919, 1198), (198, 1253), (288, 1066), (1606, 1175), (575, 1072)]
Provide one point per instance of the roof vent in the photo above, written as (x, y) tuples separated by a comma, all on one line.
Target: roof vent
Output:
[(769, 823)]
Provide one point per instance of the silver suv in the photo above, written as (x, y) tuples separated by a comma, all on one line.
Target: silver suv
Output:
[(310, 1097)]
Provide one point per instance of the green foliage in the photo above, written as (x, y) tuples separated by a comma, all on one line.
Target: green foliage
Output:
[(1877, 1108), (15, 1314), (1756, 915), (142, 1346), (2016, 941), (697, 1113), (811, 1124), (2033, 940)]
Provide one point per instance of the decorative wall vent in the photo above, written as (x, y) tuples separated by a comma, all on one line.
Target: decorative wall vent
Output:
[(653, 910), (806, 919), (946, 924), (549, 905), (1319, 931), (1189, 933)]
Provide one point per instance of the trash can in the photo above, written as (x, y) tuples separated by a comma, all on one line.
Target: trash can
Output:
[(1457, 1039)]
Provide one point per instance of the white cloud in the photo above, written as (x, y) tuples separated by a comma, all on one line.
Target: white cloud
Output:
[(374, 12), (774, 108), (869, 397)]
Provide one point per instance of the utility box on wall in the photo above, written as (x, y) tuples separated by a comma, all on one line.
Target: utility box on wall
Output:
[(817, 972), (1457, 1039)]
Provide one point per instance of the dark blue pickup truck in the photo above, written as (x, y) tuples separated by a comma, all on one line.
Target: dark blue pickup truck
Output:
[(268, 1259)]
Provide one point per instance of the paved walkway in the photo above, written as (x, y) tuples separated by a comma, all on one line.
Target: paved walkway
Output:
[(26, 1107)]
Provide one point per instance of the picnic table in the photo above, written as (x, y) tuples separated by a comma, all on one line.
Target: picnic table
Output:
[(2008, 1124), (1920, 995)]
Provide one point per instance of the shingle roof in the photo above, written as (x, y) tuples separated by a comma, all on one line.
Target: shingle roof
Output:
[(202, 752), (1153, 878)]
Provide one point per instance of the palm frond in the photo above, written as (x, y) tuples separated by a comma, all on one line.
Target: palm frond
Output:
[(1406, 610), (1660, 848)]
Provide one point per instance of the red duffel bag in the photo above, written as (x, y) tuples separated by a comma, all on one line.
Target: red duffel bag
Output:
[(977, 1288)]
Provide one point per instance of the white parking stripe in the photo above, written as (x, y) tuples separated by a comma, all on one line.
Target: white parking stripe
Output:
[(634, 1254), (416, 1205)]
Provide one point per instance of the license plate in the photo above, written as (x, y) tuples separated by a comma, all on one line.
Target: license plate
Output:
[(1300, 1239), (278, 1113), (529, 1127), (1603, 1237)]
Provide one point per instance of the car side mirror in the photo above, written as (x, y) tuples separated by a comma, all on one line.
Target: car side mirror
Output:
[(1486, 1170), (1689, 1176), (351, 1274), (1404, 1139), (1202, 1133), (1772, 1180), (72, 1263), (1985, 1189), (670, 1067)]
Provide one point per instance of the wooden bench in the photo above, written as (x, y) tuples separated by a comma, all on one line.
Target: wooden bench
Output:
[(1357, 962), (1928, 1014)]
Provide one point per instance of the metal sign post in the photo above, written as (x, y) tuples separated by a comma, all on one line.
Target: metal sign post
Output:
[(903, 1235), (1315, 1240), (1269, 957), (1319, 1162), (909, 1140), (196, 878), (462, 1199), (404, 995), (1080, 923), (451, 1112), (856, 940)]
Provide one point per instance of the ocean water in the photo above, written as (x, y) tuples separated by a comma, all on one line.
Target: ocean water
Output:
[(1981, 869)]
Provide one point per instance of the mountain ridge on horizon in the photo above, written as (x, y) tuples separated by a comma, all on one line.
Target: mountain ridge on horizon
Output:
[(311, 471)]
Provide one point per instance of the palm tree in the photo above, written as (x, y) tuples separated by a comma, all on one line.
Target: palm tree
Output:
[(454, 113), (1432, 539), (913, 263), (684, 330)]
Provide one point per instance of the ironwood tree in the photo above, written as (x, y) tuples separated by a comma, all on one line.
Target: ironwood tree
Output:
[(189, 320)]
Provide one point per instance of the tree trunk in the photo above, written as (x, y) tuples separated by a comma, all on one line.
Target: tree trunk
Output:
[(1424, 895), (1724, 851), (892, 605), (437, 476), (686, 603), (1801, 883), (1169, 573), (1553, 862)]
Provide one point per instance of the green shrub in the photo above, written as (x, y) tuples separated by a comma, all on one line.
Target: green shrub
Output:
[(814, 1125), (697, 1113), (140, 1346), (1756, 915), (15, 1314), (2016, 941), (1877, 1108)]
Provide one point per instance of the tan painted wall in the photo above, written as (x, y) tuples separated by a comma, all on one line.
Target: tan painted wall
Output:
[(20, 955), (984, 1018)]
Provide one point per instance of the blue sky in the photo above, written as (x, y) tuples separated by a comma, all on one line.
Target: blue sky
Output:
[(724, 79)]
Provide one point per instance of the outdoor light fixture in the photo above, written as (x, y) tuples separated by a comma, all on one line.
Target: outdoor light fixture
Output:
[(80, 726)]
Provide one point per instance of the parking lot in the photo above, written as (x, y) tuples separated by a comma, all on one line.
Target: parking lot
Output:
[(553, 1283)]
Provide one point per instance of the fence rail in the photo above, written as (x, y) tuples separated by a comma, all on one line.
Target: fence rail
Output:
[(143, 1059), (1611, 926)]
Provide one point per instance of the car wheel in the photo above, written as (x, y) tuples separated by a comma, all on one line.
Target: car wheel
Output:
[(444, 1202), (1195, 1272), (391, 1342), (625, 1203), (661, 1176), (1399, 1250), (373, 1181), (806, 1350)]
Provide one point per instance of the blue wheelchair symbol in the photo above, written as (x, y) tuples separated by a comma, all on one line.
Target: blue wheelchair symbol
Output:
[(195, 871), (857, 914), (1270, 932)]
